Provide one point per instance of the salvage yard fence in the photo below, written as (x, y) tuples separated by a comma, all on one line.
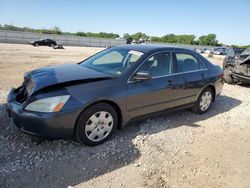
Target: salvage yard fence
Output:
[(21, 37)]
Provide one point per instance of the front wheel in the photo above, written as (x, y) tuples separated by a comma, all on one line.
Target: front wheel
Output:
[(96, 124), (204, 101)]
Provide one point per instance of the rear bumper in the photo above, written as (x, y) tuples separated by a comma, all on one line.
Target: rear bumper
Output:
[(219, 86), (242, 78), (48, 125)]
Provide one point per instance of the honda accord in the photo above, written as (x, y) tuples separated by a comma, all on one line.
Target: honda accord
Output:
[(89, 100)]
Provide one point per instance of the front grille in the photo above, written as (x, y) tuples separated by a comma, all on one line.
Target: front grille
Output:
[(21, 94)]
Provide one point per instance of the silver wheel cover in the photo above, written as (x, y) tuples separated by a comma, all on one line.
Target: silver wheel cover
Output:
[(205, 101), (99, 126)]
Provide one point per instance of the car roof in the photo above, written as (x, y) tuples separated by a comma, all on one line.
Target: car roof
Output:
[(150, 47)]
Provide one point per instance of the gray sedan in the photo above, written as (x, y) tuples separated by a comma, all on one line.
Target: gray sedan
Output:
[(89, 100)]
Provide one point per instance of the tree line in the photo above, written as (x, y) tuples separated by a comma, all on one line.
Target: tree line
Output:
[(207, 40), (99, 35)]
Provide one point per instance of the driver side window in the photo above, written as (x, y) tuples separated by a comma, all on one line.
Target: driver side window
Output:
[(158, 65)]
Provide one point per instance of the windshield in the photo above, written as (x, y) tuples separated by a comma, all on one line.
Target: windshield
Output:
[(246, 52), (112, 61)]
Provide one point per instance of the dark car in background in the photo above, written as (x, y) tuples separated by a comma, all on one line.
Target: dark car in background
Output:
[(44, 42), (89, 100), (236, 66)]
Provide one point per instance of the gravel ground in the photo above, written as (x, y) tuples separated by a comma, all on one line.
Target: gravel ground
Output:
[(178, 149)]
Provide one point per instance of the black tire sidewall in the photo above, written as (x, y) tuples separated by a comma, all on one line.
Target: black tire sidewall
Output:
[(83, 118)]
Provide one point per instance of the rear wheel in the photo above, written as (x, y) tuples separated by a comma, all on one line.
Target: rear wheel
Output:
[(204, 101), (96, 124), (228, 75), (36, 44)]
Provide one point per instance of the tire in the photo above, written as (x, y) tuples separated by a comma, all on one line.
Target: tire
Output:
[(96, 124), (36, 44), (228, 75), (52, 45), (204, 101)]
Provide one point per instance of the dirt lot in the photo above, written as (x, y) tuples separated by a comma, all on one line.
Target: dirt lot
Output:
[(179, 149)]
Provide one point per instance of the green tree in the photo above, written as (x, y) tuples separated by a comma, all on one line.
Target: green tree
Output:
[(57, 30), (156, 39), (80, 34), (126, 36), (139, 35), (170, 38), (209, 39)]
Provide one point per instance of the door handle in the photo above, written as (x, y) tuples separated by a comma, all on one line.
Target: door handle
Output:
[(170, 83), (203, 75)]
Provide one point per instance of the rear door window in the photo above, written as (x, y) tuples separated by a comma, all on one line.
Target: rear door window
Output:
[(186, 62)]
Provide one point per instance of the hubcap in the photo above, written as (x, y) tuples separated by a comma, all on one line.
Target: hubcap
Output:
[(99, 126), (205, 101)]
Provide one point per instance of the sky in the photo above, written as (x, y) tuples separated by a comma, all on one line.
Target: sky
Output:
[(228, 19)]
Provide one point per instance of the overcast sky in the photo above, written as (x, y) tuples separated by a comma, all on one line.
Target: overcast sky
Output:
[(229, 20)]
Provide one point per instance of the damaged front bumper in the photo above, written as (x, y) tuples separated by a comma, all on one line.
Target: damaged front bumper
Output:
[(48, 125)]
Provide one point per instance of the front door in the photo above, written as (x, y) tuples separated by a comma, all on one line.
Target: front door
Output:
[(155, 94)]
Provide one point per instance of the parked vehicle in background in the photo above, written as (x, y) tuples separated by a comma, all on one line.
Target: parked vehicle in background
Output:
[(208, 51), (219, 51), (58, 46), (236, 66), (200, 50), (233, 52), (90, 99), (44, 42)]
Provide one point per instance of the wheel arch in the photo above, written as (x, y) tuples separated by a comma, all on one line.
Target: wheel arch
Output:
[(111, 103), (212, 87)]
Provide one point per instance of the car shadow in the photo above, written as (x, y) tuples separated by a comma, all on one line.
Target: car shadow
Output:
[(244, 85), (31, 162)]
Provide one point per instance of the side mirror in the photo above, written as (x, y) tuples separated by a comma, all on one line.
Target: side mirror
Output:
[(142, 75)]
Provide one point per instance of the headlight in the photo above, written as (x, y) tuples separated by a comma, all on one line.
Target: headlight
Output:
[(51, 104)]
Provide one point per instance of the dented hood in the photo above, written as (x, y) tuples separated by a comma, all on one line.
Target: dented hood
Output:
[(67, 74)]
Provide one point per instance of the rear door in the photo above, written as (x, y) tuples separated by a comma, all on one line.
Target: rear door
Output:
[(191, 76)]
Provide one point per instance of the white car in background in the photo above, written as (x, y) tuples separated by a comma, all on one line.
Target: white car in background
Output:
[(219, 51), (200, 50), (208, 51)]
